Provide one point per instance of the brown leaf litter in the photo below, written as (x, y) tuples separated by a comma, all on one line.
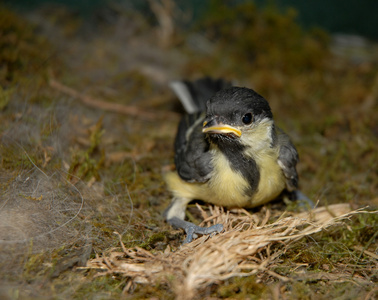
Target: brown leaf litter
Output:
[(244, 248)]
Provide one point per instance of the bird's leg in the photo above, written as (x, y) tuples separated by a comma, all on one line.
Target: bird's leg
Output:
[(175, 215), (303, 200), (192, 229)]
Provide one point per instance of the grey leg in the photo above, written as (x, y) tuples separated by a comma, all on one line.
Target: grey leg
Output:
[(304, 200), (175, 215), (192, 229)]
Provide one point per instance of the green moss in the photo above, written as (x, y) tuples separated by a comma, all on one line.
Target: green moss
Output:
[(103, 287), (87, 163), (20, 48), (16, 158), (5, 97), (328, 251), (153, 239), (242, 288), (253, 38), (301, 291), (322, 102), (103, 227), (151, 291), (35, 266)]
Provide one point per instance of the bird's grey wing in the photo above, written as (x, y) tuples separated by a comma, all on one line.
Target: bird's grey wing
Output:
[(193, 161), (192, 157), (288, 159)]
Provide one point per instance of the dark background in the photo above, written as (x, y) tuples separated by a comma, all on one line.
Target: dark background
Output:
[(348, 16)]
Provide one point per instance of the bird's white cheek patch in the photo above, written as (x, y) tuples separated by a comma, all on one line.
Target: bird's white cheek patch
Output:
[(257, 138)]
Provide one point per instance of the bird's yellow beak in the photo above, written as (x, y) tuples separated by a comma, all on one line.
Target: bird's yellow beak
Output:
[(215, 127)]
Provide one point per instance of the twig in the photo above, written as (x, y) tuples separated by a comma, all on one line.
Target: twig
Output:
[(278, 276), (164, 11), (112, 107), (366, 252), (371, 294), (120, 241)]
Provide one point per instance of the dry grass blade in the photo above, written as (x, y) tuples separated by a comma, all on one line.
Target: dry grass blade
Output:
[(234, 252)]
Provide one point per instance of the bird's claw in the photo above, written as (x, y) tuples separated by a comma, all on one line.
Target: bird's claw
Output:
[(192, 230)]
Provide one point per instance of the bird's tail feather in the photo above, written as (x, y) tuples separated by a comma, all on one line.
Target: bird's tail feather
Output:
[(194, 94)]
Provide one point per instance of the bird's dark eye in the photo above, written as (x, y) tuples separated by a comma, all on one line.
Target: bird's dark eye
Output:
[(247, 119)]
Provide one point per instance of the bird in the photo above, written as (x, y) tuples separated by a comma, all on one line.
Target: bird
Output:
[(228, 152)]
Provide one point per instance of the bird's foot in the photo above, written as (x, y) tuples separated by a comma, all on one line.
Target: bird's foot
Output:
[(192, 230)]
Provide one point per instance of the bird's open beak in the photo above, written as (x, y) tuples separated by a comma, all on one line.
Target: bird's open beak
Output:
[(214, 126)]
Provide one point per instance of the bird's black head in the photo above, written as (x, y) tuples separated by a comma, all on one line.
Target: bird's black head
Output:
[(234, 112), (235, 102)]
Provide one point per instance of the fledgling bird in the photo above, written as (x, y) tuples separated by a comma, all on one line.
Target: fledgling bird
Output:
[(228, 152)]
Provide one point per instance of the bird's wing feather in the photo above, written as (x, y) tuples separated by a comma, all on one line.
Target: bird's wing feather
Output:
[(192, 159), (194, 94), (288, 159)]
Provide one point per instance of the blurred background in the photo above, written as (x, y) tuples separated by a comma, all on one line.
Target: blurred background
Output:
[(350, 17), (87, 123)]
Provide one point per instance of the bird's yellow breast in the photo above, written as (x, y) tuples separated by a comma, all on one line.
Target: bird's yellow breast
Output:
[(227, 187), (272, 180)]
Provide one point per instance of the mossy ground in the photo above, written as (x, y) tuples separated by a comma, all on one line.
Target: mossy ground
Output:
[(327, 103)]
